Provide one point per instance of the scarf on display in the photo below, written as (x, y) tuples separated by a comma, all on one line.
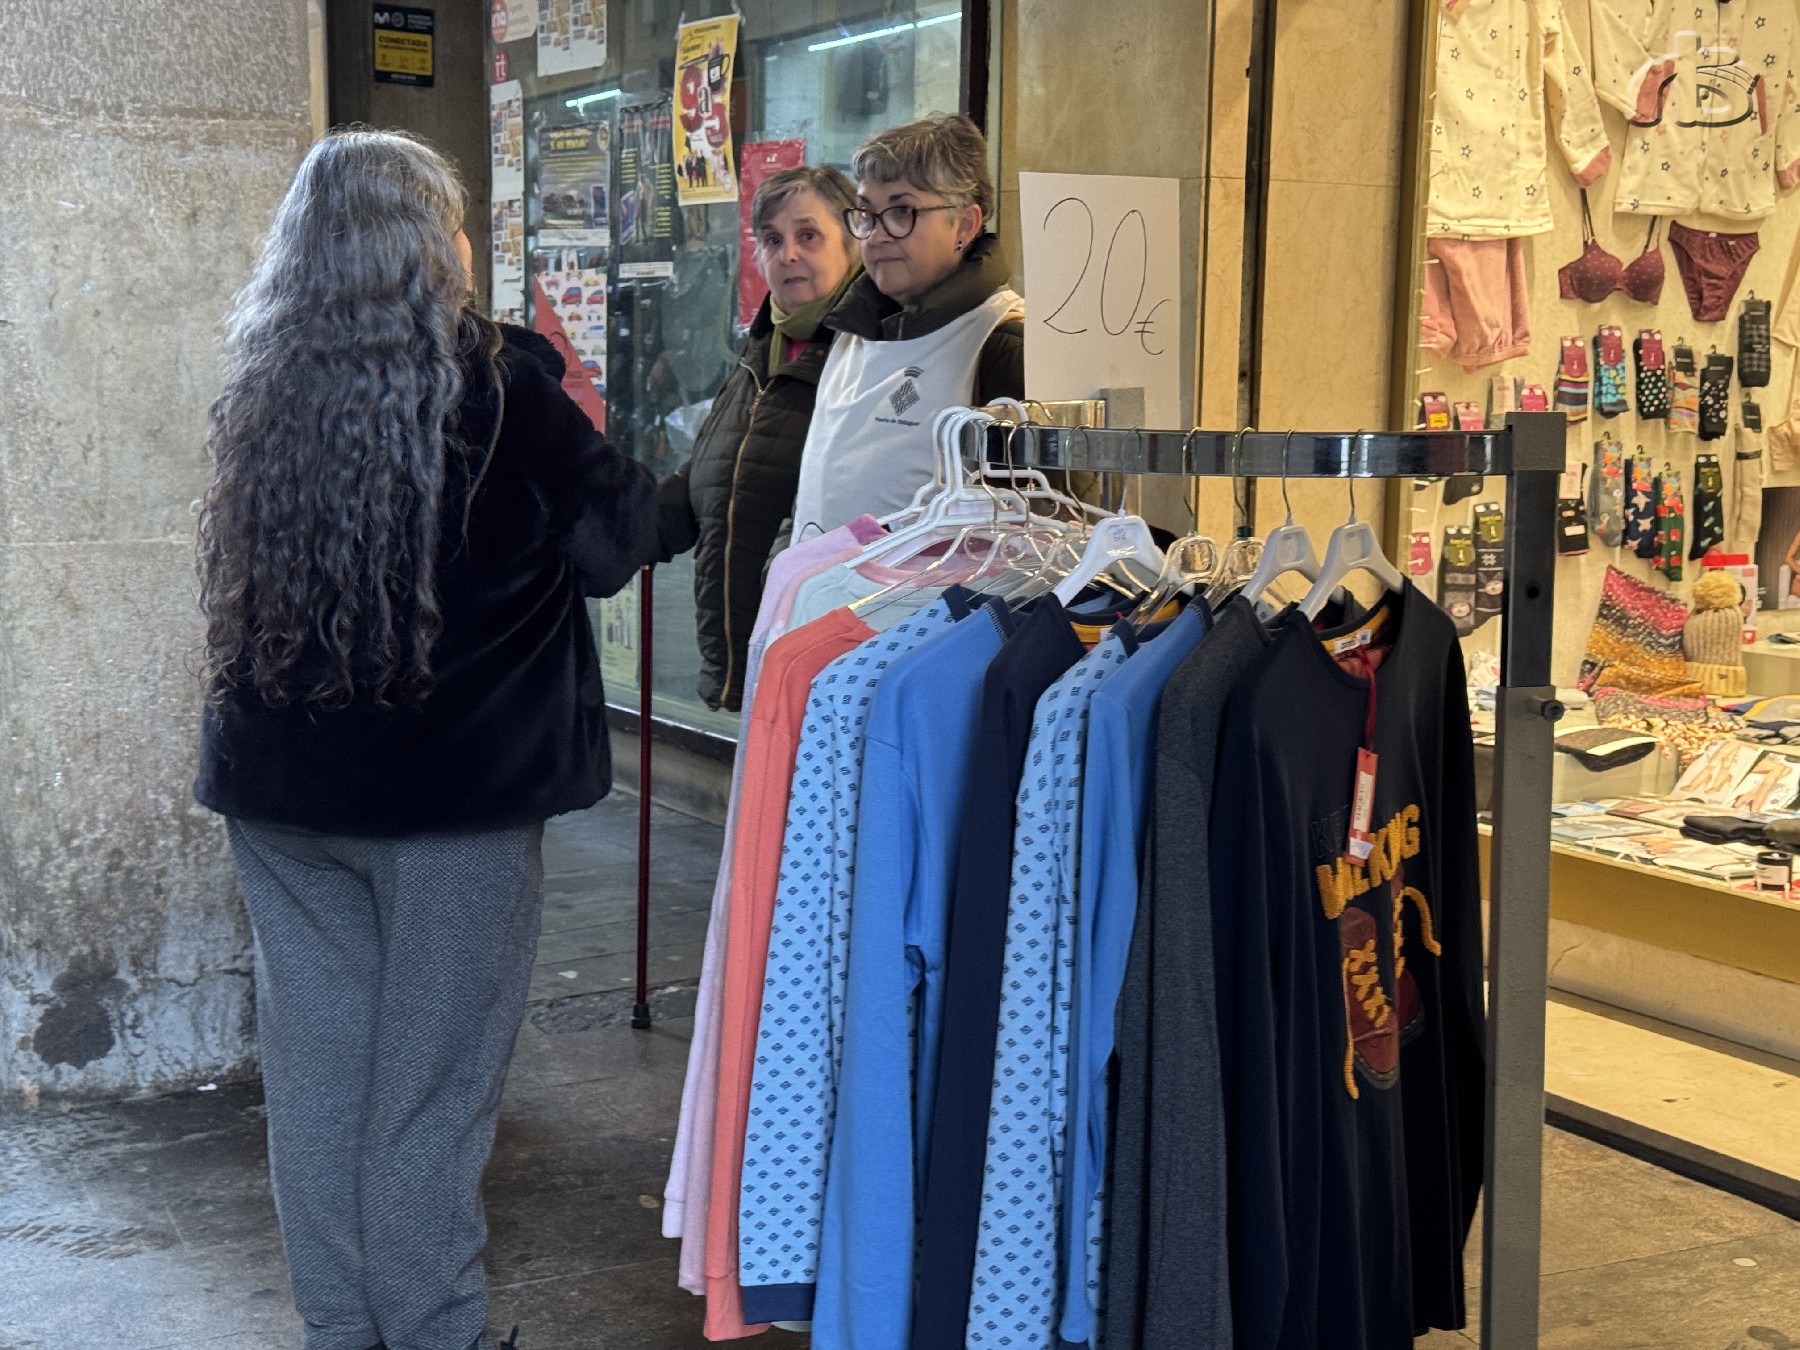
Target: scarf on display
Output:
[(799, 325)]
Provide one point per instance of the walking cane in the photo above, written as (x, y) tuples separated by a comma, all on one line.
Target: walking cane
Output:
[(640, 1013)]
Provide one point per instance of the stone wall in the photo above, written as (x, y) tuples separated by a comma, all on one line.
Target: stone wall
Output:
[(142, 148)]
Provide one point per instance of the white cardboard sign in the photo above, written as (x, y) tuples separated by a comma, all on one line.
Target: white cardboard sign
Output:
[(1103, 288)]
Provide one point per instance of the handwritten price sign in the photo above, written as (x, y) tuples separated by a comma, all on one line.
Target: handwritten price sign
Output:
[(1102, 282)]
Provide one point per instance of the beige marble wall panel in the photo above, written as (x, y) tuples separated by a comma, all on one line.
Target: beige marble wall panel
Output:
[(1224, 303), (1340, 90)]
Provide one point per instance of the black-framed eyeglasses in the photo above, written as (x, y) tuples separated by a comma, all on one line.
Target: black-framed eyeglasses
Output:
[(898, 221)]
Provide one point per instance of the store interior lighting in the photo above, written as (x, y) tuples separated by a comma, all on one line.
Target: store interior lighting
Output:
[(579, 103), (883, 32)]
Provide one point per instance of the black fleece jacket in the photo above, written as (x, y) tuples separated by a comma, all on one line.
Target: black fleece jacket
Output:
[(514, 729)]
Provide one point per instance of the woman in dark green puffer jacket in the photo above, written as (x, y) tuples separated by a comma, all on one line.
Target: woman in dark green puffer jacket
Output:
[(729, 501)]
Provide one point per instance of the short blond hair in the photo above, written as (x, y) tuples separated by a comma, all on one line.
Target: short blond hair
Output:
[(943, 153)]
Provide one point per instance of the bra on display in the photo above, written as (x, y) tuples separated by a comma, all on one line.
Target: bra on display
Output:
[(1596, 274)]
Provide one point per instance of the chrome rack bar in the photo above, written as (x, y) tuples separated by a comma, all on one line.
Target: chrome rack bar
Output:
[(1262, 454)]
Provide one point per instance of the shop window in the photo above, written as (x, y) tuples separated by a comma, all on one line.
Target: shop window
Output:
[(589, 232)]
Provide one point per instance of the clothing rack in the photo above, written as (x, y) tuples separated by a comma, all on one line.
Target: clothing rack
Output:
[(1529, 454)]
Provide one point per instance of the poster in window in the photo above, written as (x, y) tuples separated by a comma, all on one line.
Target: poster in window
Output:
[(574, 177), (760, 160), (512, 20), (571, 35), (570, 309), (506, 146), (705, 53), (507, 287), (644, 199)]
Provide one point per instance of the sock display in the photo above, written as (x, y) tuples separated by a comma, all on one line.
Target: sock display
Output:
[(1707, 524), (1640, 506), (1715, 397), (1503, 397), (1456, 577), (1573, 380), (1418, 557), (1652, 374), (1490, 561), (1753, 343), (1609, 371), (1684, 391), (1743, 526), (1668, 537), (1606, 492), (1571, 527)]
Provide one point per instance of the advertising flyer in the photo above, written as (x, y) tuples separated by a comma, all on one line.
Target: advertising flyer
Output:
[(760, 159), (644, 199), (618, 627), (506, 139), (506, 289), (512, 20), (403, 45), (571, 35), (705, 56), (574, 177), (571, 312)]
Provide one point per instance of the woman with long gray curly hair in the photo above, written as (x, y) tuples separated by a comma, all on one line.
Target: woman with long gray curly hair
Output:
[(405, 515)]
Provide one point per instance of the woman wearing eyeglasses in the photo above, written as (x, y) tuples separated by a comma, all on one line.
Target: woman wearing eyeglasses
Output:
[(930, 324)]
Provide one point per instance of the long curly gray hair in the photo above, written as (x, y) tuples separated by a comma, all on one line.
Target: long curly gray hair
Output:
[(343, 372)]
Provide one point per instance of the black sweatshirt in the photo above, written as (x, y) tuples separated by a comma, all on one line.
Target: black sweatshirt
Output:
[(1350, 997)]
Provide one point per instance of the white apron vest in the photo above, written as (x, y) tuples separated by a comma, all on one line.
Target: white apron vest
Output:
[(869, 448)]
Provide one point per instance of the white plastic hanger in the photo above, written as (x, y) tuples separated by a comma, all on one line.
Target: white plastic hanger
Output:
[(1352, 547), (1289, 548)]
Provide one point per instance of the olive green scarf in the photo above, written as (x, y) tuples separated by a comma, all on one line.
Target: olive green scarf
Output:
[(802, 323)]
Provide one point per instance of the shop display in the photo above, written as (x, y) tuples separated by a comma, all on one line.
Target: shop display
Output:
[(1490, 561), (1489, 157), (911, 1103), (1532, 398), (1711, 116), (1468, 417), (1418, 557), (1640, 505), (1708, 516), (1573, 380), (1476, 307), (1715, 396), (1743, 525), (1711, 639), (1458, 581), (1635, 642), (1571, 527), (1609, 371), (1684, 391), (1606, 502), (1597, 273), (1711, 266), (1652, 377), (1670, 537), (1753, 356)]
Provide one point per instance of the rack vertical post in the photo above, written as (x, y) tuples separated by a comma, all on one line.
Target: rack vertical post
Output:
[(1519, 890)]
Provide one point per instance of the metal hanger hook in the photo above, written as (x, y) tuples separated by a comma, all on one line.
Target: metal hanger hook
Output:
[(1360, 438), (1286, 452)]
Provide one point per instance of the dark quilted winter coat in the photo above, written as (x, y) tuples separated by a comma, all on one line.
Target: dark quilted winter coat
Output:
[(729, 500)]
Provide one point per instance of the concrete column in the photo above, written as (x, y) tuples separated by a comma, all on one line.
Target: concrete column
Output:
[(143, 149)]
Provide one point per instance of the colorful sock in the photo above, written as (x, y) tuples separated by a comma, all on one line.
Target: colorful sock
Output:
[(1652, 374), (1753, 343), (1532, 398), (1573, 379), (1606, 492), (1708, 516), (1745, 525), (1640, 507), (1456, 577), (1418, 559), (1715, 397), (1669, 524), (1684, 391), (1490, 561), (1609, 371)]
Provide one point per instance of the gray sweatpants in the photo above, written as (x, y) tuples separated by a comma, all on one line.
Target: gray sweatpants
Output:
[(390, 985)]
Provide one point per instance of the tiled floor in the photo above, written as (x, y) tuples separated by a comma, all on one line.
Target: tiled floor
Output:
[(148, 1224)]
